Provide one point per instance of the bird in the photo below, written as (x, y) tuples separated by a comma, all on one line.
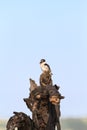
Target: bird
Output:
[(44, 66)]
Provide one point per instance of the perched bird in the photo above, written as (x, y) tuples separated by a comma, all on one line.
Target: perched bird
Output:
[(44, 66)]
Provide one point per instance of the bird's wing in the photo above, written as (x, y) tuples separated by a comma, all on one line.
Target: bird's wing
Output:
[(47, 66)]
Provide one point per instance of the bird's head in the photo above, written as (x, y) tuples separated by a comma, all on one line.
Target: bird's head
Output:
[(42, 60)]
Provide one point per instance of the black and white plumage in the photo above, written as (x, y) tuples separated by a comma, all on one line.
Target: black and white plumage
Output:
[(44, 66)]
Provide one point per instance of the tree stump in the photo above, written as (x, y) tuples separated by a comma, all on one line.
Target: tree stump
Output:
[(44, 103)]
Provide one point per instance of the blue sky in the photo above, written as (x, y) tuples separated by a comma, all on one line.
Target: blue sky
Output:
[(54, 30)]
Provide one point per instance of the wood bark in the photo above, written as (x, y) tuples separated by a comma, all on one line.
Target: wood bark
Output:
[(44, 103)]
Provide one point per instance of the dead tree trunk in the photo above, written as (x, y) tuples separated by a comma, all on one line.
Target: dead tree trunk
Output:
[(44, 103)]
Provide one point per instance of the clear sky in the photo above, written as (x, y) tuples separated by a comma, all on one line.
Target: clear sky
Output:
[(51, 29)]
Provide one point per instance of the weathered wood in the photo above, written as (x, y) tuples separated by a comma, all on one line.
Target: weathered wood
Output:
[(44, 103), (45, 79), (45, 109), (20, 121)]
